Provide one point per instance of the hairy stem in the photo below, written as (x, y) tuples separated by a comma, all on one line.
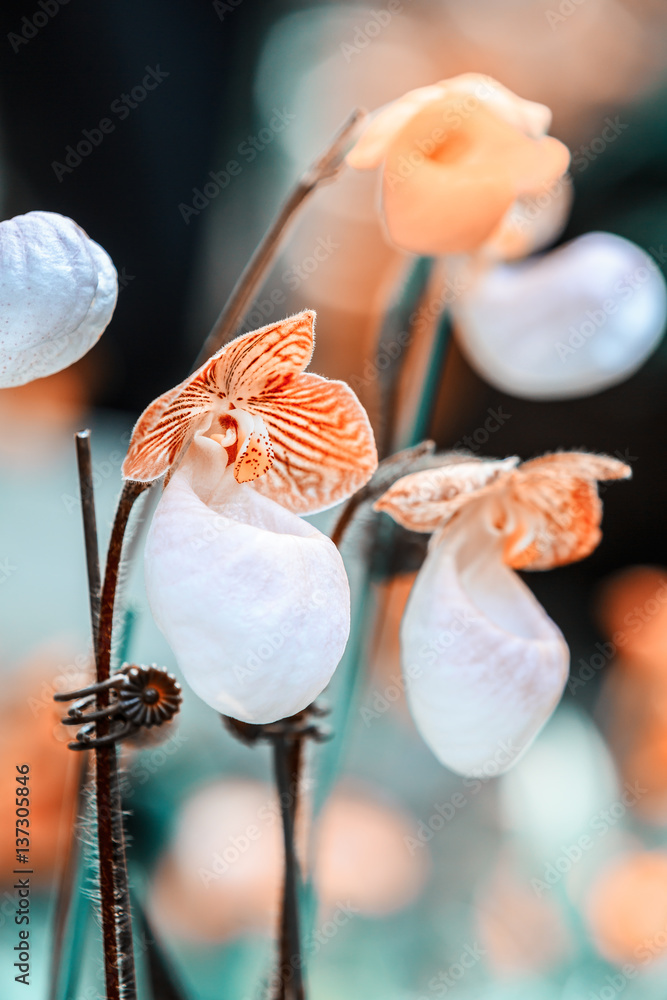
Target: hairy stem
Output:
[(113, 866), (326, 167), (70, 865)]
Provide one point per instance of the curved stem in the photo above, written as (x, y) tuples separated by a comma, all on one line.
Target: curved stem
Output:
[(326, 167), (388, 471)]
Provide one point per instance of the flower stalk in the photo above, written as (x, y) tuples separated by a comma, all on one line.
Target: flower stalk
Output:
[(287, 764), (325, 168), (116, 916)]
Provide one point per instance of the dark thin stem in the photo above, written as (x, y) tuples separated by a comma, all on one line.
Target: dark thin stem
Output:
[(128, 979), (113, 867), (85, 467), (346, 517), (324, 168), (70, 865), (287, 764)]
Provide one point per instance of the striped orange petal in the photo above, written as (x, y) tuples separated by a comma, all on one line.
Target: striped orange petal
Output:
[(427, 500), (556, 508), (323, 445), (266, 357)]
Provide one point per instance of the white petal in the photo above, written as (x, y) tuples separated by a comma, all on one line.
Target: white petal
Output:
[(566, 779), (484, 665), (253, 600), (58, 291), (575, 321)]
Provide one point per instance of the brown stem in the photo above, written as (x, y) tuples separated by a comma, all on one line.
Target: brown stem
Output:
[(346, 517), (85, 467), (287, 764), (112, 854), (326, 167), (70, 865)]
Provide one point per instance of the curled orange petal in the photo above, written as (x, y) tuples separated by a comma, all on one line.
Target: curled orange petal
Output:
[(446, 187), (457, 155), (375, 141), (427, 500), (580, 464), (558, 510)]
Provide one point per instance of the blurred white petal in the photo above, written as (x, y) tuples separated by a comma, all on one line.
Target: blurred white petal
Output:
[(573, 322), (532, 223), (58, 290), (253, 601), (484, 664), (565, 781)]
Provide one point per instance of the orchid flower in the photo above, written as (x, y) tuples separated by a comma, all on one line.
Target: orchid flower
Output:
[(456, 157), (300, 439), (575, 321), (253, 600), (58, 290), (484, 665)]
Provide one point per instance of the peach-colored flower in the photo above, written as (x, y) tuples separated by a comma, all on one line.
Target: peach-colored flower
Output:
[(484, 664), (298, 438), (456, 156)]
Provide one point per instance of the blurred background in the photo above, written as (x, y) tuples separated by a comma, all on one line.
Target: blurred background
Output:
[(426, 884)]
